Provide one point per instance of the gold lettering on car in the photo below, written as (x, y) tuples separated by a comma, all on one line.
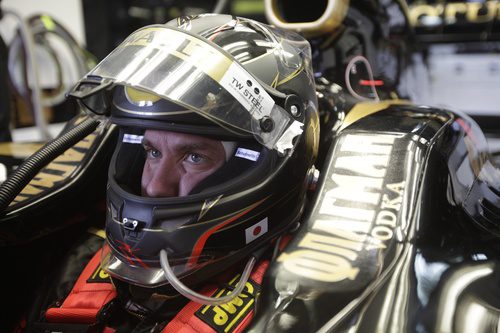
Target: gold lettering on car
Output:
[(57, 171), (357, 211), (450, 13)]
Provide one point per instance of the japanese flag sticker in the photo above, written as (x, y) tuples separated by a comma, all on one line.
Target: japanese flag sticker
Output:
[(255, 231)]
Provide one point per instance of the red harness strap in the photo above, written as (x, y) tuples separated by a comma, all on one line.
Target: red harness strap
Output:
[(92, 291), (231, 317)]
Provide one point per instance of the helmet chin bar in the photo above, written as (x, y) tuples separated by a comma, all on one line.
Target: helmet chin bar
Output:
[(199, 298)]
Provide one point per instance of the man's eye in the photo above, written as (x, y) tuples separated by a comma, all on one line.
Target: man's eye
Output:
[(153, 153), (195, 158)]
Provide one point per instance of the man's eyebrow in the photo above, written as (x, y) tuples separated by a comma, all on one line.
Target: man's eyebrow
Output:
[(193, 146), (183, 147)]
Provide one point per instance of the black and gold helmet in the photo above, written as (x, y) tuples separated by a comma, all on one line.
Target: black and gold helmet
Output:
[(223, 77)]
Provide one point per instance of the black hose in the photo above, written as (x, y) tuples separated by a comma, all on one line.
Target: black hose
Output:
[(31, 166)]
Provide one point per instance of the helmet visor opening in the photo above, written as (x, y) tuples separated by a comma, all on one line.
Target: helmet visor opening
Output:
[(242, 163)]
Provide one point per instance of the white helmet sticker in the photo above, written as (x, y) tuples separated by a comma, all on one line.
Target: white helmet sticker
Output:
[(247, 154), (132, 138)]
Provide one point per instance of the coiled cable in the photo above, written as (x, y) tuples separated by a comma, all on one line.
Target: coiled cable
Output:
[(31, 166)]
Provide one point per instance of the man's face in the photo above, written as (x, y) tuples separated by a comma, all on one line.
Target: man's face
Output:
[(177, 162)]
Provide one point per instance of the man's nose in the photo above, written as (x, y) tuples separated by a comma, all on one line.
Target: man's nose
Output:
[(164, 181)]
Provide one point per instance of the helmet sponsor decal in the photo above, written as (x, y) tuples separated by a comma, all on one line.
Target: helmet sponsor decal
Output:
[(255, 231), (247, 91), (248, 154), (226, 317)]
